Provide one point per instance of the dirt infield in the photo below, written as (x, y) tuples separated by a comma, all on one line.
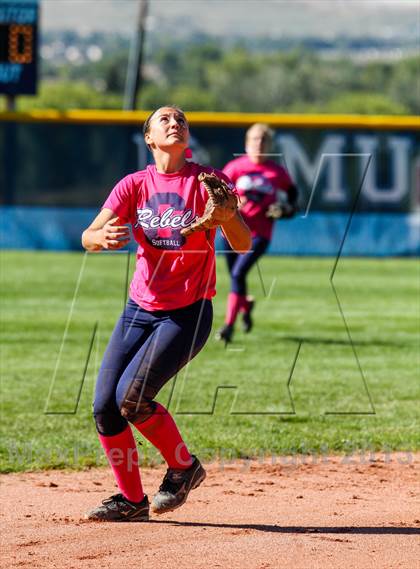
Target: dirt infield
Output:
[(357, 512)]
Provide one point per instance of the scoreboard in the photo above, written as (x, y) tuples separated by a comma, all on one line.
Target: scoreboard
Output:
[(18, 47)]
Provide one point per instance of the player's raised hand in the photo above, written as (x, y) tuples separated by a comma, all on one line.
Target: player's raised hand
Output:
[(107, 231), (114, 235)]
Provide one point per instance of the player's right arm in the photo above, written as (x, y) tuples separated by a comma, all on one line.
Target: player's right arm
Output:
[(105, 232)]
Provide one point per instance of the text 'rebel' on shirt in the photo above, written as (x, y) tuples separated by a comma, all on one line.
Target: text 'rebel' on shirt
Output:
[(259, 184), (172, 271)]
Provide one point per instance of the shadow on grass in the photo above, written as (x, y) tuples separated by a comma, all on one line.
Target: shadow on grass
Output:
[(364, 530), (345, 342)]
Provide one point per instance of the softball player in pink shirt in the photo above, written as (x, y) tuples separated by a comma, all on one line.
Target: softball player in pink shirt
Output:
[(167, 319), (261, 183)]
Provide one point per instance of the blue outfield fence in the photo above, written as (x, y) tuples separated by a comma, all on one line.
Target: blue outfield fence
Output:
[(57, 168), (365, 234)]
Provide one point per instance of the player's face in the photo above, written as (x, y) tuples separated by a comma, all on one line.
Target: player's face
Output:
[(168, 129), (257, 144)]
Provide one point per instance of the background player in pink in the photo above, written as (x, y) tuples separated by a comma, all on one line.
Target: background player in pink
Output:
[(167, 319), (267, 193)]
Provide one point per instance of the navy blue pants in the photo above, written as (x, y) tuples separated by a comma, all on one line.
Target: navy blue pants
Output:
[(146, 349), (239, 264)]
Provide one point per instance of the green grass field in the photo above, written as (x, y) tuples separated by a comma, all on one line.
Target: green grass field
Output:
[(231, 402)]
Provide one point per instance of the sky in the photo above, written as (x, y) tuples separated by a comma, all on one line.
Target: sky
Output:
[(269, 18)]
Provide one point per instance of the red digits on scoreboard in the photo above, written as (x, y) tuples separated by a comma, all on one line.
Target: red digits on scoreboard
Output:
[(20, 44)]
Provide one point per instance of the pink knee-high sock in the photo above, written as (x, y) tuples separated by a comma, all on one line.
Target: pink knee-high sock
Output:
[(160, 429), (121, 452), (234, 303)]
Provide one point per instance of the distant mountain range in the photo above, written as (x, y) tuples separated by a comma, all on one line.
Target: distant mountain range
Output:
[(271, 19)]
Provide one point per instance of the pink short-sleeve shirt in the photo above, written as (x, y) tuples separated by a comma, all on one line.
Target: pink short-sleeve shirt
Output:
[(171, 271), (258, 183)]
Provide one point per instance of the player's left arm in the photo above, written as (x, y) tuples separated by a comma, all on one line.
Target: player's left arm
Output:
[(221, 210), (292, 194), (237, 233), (236, 230), (286, 203), (291, 200)]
